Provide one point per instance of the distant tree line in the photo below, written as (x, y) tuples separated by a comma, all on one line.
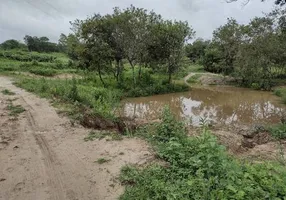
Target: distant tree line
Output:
[(255, 53), (33, 43)]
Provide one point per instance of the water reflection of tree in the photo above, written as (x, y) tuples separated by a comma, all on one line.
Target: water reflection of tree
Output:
[(221, 106)]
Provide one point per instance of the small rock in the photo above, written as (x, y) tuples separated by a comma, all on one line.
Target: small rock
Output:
[(2, 179)]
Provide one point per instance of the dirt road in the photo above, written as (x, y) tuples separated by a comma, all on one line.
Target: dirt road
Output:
[(43, 157)]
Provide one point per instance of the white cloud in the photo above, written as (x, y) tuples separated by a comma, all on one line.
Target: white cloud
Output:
[(51, 17)]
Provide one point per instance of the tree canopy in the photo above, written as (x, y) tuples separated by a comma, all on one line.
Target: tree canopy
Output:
[(133, 34)]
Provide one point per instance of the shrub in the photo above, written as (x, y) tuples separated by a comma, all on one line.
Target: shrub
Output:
[(279, 131), (199, 168)]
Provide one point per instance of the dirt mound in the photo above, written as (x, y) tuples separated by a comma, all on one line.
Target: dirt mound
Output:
[(98, 122)]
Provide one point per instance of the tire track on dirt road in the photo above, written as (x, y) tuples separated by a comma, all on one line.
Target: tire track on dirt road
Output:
[(52, 161)]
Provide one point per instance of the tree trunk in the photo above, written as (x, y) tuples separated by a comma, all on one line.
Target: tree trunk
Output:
[(169, 72), (170, 77), (99, 72), (133, 72), (139, 73), (117, 69)]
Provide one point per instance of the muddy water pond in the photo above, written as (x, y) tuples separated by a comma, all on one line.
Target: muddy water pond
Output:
[(223, 105)]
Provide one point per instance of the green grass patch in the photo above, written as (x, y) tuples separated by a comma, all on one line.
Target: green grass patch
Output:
[(15, 110), (281, 92), (199, 168), (43, 72), (195, 78), (7, 92), (102, 161), (278, 131)]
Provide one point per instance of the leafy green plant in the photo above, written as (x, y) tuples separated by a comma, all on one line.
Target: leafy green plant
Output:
[(7, 92), (279, 131), (199, 168), (15, 110)]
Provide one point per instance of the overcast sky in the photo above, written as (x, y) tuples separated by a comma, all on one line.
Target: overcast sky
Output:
[(51, 17)]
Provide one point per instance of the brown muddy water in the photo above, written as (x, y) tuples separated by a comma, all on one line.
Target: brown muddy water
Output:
[(222, 105)]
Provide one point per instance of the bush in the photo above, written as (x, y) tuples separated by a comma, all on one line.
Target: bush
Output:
[(199, 168), (281, 92), (279, 131)]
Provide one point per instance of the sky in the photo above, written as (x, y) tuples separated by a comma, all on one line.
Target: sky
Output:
[(51, 17)]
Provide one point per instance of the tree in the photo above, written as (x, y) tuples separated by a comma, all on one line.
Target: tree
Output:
[(41, 44), (196, 51), (168, 44), (227, 39), (12, 44)]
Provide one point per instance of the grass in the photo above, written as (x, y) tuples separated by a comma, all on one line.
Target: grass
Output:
[(15, 111), (102, 161), (7, 92), (281, 92), (195, 78), (198, 168), (279, 131), (44, 72)]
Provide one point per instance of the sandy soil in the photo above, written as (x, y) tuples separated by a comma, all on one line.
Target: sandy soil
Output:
[(43, 157)]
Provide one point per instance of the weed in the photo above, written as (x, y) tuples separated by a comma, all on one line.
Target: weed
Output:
[(199, 168), (7, 92), (278, 131), (15, 110), (102, 160), (195, 78)]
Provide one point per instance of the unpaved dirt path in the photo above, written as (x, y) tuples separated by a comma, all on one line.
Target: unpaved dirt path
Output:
[(43, 157), (209, 79)]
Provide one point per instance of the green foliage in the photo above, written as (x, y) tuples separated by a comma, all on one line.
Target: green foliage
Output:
[(279, 131), (40, 44), (102, 101), (199, 168), (7, 92), (12, 44), (253, 53), (281, 92), (102, 161), (196, 51), (43, 72), (15, 110), (195, 78), (24, 56), (133, 35)]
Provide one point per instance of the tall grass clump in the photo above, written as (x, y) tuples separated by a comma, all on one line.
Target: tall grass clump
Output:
[(199, 168), (281, 92), (101, 101)]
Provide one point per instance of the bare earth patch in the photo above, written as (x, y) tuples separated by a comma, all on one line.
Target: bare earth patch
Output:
[(44, 157)]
